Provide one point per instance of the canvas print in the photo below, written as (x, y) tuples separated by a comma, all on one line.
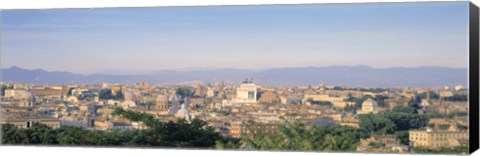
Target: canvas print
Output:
[(366, 77)]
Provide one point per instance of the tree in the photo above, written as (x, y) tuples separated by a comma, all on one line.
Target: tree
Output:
[(107, 94), (322, 103), (405, 109), (41, 134), (380, 99), (403, 136), (462, 127), (413, 103), (185, 92), (2, 90), (433, 95), (457, 97), (381, 123), (13, 135), (181, 133), (335, 143), (68, 135), (406, 121), (377, 124), (459, 114), (444, 126), (294, 135)]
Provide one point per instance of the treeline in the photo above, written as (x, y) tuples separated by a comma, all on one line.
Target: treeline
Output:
[(194, 134), (297, 136), (289, 135), (322, 103), (457, 97), (294, 135)]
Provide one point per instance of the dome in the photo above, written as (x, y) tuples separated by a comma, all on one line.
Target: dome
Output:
[(370, 102), (183, 112)]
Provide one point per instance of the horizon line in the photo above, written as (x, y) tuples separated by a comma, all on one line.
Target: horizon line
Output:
[(189, 69)]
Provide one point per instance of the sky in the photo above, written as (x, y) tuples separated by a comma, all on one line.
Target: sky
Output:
[(136, 40)]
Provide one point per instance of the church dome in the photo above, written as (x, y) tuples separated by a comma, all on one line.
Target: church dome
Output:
[(369, 102), (182, 112)]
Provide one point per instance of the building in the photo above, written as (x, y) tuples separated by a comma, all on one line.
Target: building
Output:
[(200, 91), (381, 143), (26, 119), (211, 92), (239, 129), (236, 129), (116, 89), (50, 93), (162, 103), (17, 94), (268, 97), (369, 106), (437, 138), (246, 93)]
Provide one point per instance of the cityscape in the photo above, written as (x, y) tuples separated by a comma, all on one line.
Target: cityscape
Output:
[(381, 120), (269, 78)]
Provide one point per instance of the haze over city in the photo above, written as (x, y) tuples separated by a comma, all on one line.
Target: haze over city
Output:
[(370, 78), (142, 40)]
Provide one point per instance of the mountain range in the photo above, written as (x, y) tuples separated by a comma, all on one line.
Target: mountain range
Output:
[(360, 75)]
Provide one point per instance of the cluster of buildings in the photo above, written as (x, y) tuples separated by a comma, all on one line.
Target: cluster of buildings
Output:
[(227, 108)]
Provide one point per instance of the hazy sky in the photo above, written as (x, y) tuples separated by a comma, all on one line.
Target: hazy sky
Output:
[(249, 37)]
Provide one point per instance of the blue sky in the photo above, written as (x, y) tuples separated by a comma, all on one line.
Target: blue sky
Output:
[(249, 37)]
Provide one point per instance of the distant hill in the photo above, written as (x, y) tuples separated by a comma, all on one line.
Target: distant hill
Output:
[(337, 75)]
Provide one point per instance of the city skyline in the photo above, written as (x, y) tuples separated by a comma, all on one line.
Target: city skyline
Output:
[(244, 37)]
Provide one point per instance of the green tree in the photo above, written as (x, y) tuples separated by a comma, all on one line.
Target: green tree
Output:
[(2, 90), (376, 124), (405, 109), (185, 92), (67, 135), (444, 126), (457, 97), (294, 135), (403, 136), (41, 134), (13, 135), (336, 143)]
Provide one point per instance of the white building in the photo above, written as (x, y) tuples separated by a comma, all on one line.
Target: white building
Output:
[(246, 93), (369, 106)]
